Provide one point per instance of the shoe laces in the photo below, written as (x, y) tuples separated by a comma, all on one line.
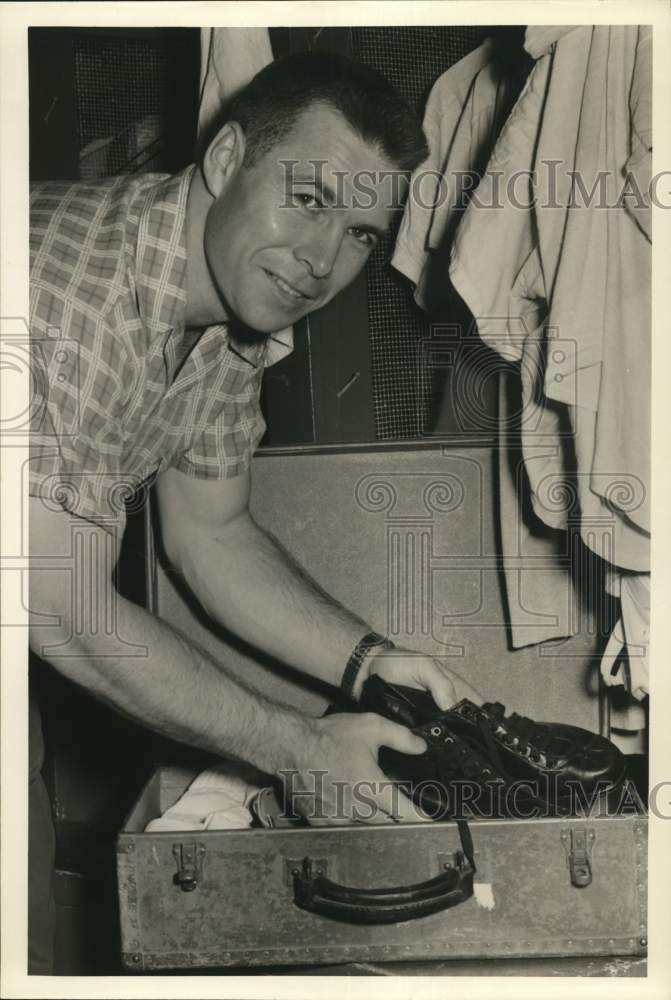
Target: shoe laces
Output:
[(468, 759), (516, 731), (485, 727)]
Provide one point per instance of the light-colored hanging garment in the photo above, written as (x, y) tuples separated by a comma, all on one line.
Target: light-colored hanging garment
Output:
[(564, 290), (574, 287), (229, 58), (462, 125)]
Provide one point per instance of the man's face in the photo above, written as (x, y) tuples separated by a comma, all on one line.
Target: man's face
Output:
[(276, 244)]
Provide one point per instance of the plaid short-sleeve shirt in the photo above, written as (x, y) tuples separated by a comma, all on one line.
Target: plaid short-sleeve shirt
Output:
[(121, 390)]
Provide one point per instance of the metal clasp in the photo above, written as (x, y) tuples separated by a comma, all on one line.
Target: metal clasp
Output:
[(189, 860), (578, 847), (308, 867)]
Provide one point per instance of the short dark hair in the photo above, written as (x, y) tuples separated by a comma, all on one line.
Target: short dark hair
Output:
[(267, 108)]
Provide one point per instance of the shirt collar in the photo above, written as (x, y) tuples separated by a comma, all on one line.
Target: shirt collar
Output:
[(161, 254), (278, 346), (267, 352)]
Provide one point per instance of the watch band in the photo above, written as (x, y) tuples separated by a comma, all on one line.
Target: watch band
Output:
[(363, 647)]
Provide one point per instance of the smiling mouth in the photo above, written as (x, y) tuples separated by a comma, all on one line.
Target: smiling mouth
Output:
[(288, 289)]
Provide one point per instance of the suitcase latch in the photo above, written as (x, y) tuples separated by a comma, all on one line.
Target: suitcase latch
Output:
[(578, 847), (189, 860), (309, 867)]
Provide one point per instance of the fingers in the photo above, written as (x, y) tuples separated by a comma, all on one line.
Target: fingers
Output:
[(464, 690), (374, 803), (382, 801), (348, 785), (406, 811), (417, 670), (438, 681), (392, 734), (446, 687), (374, 800)]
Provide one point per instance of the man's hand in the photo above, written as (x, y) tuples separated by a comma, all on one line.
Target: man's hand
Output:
[(402, 666), (336, 779)]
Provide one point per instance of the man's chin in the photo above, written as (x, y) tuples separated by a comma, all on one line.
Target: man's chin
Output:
[(266, 324), (247, 334), (244, 334)]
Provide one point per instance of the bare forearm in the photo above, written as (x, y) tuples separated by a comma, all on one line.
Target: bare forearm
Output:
[(174, 687), (250, 584)]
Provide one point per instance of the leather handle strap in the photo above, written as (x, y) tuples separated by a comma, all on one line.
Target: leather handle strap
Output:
[(320, 895)]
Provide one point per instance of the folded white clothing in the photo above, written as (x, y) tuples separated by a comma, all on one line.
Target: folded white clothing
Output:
[(217, 799)]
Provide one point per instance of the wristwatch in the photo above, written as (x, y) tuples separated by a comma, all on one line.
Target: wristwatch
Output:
[(372, 640)]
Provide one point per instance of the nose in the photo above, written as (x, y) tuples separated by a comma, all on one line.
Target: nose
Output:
[(318, 248)]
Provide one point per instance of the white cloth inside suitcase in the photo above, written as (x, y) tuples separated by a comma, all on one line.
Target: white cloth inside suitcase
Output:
[(218, 799)]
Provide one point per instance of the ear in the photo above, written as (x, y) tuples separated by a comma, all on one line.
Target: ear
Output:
[(223, 157)]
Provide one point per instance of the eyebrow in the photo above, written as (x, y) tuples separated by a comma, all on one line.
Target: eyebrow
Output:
[(328, 196)]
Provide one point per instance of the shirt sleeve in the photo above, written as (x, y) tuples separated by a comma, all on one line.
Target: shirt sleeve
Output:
[(226, 446)]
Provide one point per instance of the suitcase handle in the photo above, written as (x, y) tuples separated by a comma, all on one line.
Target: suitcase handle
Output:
[(320, 895)]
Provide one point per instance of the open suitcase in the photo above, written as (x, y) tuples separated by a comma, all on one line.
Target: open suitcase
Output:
[(241, 898), (282, 897)]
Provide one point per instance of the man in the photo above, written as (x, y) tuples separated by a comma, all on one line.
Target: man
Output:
[(167, 292)]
